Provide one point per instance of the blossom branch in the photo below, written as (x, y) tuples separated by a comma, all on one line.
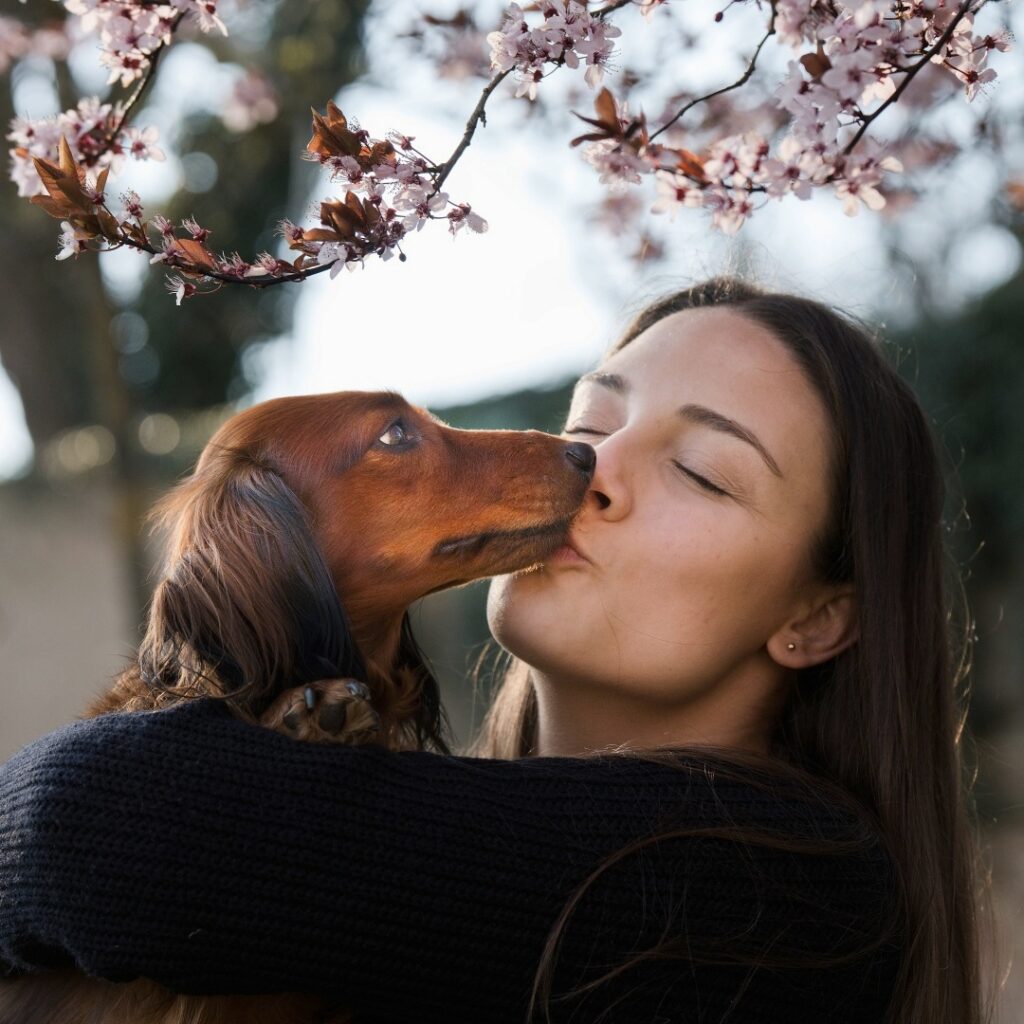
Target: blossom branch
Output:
[(965, 8), (148, 75), (857, 48), (478, 116), (741, 81)]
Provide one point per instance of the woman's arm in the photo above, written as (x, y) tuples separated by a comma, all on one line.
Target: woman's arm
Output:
[(211, 855)]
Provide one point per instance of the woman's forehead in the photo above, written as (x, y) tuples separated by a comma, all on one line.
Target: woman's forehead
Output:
[(708, 338), (728, 363)]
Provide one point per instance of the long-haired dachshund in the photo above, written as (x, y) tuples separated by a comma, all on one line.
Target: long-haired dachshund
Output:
[(306, 530)]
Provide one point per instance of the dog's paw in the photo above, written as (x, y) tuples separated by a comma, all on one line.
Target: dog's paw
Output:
[(327, 711)]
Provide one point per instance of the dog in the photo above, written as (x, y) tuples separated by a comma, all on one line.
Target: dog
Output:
[(307, 528)]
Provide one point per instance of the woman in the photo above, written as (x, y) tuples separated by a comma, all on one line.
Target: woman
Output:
[(721, 780)]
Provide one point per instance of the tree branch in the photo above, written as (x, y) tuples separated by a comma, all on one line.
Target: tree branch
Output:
[(965, 8), (742, 80), (154, 57), (475, 118)]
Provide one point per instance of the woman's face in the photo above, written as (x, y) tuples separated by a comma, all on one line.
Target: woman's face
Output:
[(681, 584)]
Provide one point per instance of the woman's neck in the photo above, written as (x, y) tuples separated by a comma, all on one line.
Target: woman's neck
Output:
[(576, 721)]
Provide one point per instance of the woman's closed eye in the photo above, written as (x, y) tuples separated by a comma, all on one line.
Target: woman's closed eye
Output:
[(583, 430), (706, 484), (701, 481)]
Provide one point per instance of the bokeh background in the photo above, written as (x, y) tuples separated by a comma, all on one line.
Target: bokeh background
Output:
[(108, 391)]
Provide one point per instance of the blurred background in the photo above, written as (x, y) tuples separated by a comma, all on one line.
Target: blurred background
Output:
[(108, 391)]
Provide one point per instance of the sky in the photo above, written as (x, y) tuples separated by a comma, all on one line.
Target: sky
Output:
[(532, 301)]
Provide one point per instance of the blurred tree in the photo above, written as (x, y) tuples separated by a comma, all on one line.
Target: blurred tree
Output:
[(308, 51), (969, 371), (74, 353)]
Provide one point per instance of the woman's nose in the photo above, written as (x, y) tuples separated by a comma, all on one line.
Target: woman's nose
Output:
[(609, 489)]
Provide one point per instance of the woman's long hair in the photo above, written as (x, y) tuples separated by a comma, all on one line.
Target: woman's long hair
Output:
[(881, 724)]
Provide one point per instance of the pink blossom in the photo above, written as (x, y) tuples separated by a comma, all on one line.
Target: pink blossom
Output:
[(234, 265), (617, 165), (850, 74), (141, 143), (164, 226), (253, 101), (180, 288), (568, 35), (463, 215), (15, 42), (132, 206), (72, 240), (731, 212), (786, 172), (289, 231), (414, 199), (192, 226), (674, 192), (648, 7)]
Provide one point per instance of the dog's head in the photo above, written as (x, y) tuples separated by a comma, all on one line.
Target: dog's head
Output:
[(311, 523)]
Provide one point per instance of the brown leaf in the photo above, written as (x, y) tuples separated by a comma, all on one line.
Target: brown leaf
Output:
[(67, 160), (134, 232), (64, 184), (816, 64), (605, 107), (331, 134), (689, 164), (381, 152), (609, 126), (316, 235), (341, 217), (108, 225), (195, 252)]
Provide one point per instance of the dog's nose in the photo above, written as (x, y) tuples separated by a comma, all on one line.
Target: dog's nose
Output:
[(582, 456)]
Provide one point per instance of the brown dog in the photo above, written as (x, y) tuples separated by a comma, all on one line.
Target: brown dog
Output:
[(307, 529)]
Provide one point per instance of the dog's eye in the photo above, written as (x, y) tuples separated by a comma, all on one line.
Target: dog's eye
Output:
[(395, 434)]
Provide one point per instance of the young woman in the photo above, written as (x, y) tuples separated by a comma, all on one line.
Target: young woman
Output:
[(721, 780)]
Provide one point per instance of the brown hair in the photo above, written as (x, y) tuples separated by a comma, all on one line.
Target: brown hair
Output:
[(879, 727)]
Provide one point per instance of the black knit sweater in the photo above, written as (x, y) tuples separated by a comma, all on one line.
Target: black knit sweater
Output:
[(215, 856)]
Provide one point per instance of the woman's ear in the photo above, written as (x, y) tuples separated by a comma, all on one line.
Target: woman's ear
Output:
[(820, 632), (247, 606)]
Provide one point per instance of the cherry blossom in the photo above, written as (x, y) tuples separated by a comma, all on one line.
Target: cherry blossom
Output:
[(675, 192), (568, 35), (252, 101), (846, 62), (141, 143), (463, 215), (72, 240)]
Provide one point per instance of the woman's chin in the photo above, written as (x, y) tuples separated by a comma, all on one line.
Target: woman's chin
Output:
[(522, 606)]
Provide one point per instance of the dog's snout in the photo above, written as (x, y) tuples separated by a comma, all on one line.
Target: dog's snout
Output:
[(582, 456)]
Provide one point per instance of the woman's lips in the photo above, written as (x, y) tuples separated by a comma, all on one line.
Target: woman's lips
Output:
[(568, 553)]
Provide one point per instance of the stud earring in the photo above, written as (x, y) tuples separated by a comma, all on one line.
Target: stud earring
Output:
[(791, 647)]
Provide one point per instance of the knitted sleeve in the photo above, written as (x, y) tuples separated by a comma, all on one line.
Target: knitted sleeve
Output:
[(213, 856)]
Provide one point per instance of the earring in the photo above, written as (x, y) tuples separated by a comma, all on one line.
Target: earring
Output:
[(790, 647)]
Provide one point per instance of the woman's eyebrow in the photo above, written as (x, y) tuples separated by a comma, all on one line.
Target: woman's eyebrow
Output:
[(607, 380), (694, 414), (709, 418)]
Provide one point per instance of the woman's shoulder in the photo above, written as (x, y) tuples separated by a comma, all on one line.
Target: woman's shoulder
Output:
[(233, 843)]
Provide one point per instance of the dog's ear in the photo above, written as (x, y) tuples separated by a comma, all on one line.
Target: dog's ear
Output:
[(246, 606)]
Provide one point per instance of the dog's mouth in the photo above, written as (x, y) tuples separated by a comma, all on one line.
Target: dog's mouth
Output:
[(475, 543)]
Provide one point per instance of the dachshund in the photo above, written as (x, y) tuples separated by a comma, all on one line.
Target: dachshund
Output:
[(307, 528)]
